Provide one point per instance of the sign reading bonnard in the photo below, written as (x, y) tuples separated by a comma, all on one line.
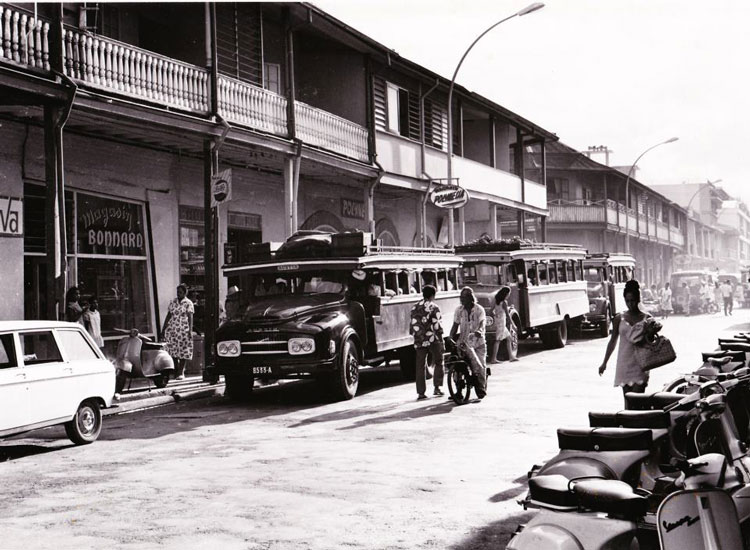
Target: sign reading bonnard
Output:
[(449, 196), (109, 227)]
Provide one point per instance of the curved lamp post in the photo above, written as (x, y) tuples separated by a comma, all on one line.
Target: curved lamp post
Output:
[(687, 208), (627, 190), (528, 9)]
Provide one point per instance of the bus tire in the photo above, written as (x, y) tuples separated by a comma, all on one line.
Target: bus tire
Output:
[(407, 360), (346, 379), (239, 387), (556, 336), (604, 325)]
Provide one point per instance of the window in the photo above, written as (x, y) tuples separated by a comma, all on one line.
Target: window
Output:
[(509, 274), (406, 283), (531, 274), (75, 345), (579, 269), (571, 270), (542, 270), (552, 272), (391, 283), (272, 77), (561, 278), (452, 279), (7, 352), (429, 278), (398, 110), (561, 189), (38, 348), (435, 125)]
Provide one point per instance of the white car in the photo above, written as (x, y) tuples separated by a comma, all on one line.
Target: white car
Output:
[(52, 373)]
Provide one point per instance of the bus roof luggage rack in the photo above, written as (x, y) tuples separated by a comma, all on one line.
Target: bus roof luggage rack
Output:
[(486, 244)]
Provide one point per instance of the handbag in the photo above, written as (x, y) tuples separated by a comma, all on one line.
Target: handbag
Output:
[(651, 354)]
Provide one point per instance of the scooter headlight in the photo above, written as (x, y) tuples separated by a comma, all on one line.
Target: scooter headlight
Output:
[(490, 321), (228, 348), (301, 346)]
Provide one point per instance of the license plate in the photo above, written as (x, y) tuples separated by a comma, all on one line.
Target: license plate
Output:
[(262, 370)]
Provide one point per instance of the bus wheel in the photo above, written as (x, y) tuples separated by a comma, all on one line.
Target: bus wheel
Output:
[(556, 336), (239, 387), (407, 359), (346, 378), (604, 326)]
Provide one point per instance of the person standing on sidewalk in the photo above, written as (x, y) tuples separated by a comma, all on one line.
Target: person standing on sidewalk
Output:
[(469, 323), (428, 338), (503, 326), (92, 320), (178, 330), (726, 295), (666, 301)]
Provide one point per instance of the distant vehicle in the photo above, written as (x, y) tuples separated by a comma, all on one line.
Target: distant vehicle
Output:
[(606, 275), (650, 302), (745, 281), (694, 279), (52, 373), (548, 290), (325, 305)]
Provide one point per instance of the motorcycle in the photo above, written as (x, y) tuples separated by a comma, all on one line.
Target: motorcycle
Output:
[(460, 365), (140, 357)]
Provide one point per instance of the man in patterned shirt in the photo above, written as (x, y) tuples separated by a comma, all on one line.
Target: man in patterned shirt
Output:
[(428, 337), (468, 322)]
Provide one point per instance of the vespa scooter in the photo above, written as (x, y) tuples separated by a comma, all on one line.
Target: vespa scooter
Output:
[(140, 357)]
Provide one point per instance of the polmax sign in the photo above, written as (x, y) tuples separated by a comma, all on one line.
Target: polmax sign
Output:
[(449, 196)]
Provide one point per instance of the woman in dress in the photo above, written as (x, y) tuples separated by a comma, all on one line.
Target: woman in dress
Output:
[(178, 330), (502, 326), (666, 301), (628, 374)]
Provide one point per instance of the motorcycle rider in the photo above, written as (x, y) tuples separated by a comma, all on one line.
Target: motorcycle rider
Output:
[(469, 323)]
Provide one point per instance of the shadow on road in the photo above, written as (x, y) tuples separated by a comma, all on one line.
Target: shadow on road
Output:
[(513, 492), (495, 535), (9, 451)]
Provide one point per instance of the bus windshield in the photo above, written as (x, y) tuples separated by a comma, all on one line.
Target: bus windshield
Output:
[(313, 282)]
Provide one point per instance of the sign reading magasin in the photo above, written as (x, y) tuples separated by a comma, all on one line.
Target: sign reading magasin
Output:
[(110, 227), (449, 196)]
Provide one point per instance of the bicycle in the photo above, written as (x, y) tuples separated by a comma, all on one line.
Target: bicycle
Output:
[(458, 371)]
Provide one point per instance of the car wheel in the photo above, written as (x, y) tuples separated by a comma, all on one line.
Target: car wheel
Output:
[(86, 424), (239, 387), (346, 379), (162, 380)]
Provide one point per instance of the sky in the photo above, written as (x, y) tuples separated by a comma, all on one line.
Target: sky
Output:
[(622, 73)]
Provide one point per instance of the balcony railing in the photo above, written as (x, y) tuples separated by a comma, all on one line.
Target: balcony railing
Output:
[(105, 63), (576, 213), (252, 106), (326, 130), (23, 39)]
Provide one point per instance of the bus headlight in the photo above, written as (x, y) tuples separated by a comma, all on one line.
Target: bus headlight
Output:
[(490, 321), (301, 346), (593, 307), (228, 348)]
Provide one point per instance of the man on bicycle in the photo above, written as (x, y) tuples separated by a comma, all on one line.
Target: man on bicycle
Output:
[(469, 323)]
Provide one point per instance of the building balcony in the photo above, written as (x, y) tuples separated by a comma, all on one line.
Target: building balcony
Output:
[(401, 159), (110, 66)]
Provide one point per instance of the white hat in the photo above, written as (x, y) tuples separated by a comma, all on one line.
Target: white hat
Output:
[(359, 274), (281, 280), (232, 290)]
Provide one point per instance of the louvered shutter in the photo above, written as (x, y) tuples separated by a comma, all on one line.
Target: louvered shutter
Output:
[(379, 104), (239, 41)]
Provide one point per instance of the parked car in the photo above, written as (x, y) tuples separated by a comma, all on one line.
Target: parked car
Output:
[(52, 373)]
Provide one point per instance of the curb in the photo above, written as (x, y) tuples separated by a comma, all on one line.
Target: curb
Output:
[(165, 397)]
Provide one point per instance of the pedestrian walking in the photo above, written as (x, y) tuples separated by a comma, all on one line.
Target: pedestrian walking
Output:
[(178, 330), (628, 374), (726, 294), (503, 326), (666, 301), (73, 310), (428, 339), (469, 322), (92, 320)]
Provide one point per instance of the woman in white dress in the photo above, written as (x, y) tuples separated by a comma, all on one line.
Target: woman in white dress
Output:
[(502, 324)]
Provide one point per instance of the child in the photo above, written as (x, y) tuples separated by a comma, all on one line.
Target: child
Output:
[(92, 320), (502, 325)]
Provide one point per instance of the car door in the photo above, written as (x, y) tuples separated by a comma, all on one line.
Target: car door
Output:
[(13, 386), (90, 375), (49, 379)]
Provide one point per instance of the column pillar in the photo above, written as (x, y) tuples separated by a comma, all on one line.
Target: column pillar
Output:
[(289, 202), (493, 221), (210, 257), (462, 224), (521, 224)]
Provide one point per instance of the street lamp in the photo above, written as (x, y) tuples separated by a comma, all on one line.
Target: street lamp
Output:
[(709, 183), (627, 190), (528, 9)]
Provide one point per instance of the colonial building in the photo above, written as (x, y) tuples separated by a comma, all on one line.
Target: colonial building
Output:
[(117, 118), (588, 206)]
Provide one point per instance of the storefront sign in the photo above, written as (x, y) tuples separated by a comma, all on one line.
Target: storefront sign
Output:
[(109, 227), (221, 187), (11, 217), (353, 209), (449, 196)]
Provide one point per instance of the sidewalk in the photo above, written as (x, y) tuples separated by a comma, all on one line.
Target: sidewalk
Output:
[(142, 395)]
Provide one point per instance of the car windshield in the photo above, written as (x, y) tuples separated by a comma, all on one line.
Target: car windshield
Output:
[(595, 290), (592, 275), (313, 282)]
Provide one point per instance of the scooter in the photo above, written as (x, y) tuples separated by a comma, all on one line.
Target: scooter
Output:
[(140, 357)]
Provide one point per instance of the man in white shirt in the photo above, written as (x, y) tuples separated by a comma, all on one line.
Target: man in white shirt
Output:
[(726, 294), (469, 323)]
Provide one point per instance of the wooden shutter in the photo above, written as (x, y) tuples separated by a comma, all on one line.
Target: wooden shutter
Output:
[(378, 96), (239, 41)]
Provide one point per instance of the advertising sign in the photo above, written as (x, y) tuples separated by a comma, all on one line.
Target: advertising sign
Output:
[(449, 196), (353, 209), (11, 217), (110, 227), (221, 187)]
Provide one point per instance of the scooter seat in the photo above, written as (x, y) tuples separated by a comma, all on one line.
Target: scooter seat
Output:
[(605, 439), (717, 361), (735, 346), (630, 419), (650, 401), (735, 355), (611, 497), (553, 490)]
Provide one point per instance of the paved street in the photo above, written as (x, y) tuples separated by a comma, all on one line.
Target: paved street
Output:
[(292, 471)]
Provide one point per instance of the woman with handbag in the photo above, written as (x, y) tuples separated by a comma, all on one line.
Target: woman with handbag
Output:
[(628, 374)]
